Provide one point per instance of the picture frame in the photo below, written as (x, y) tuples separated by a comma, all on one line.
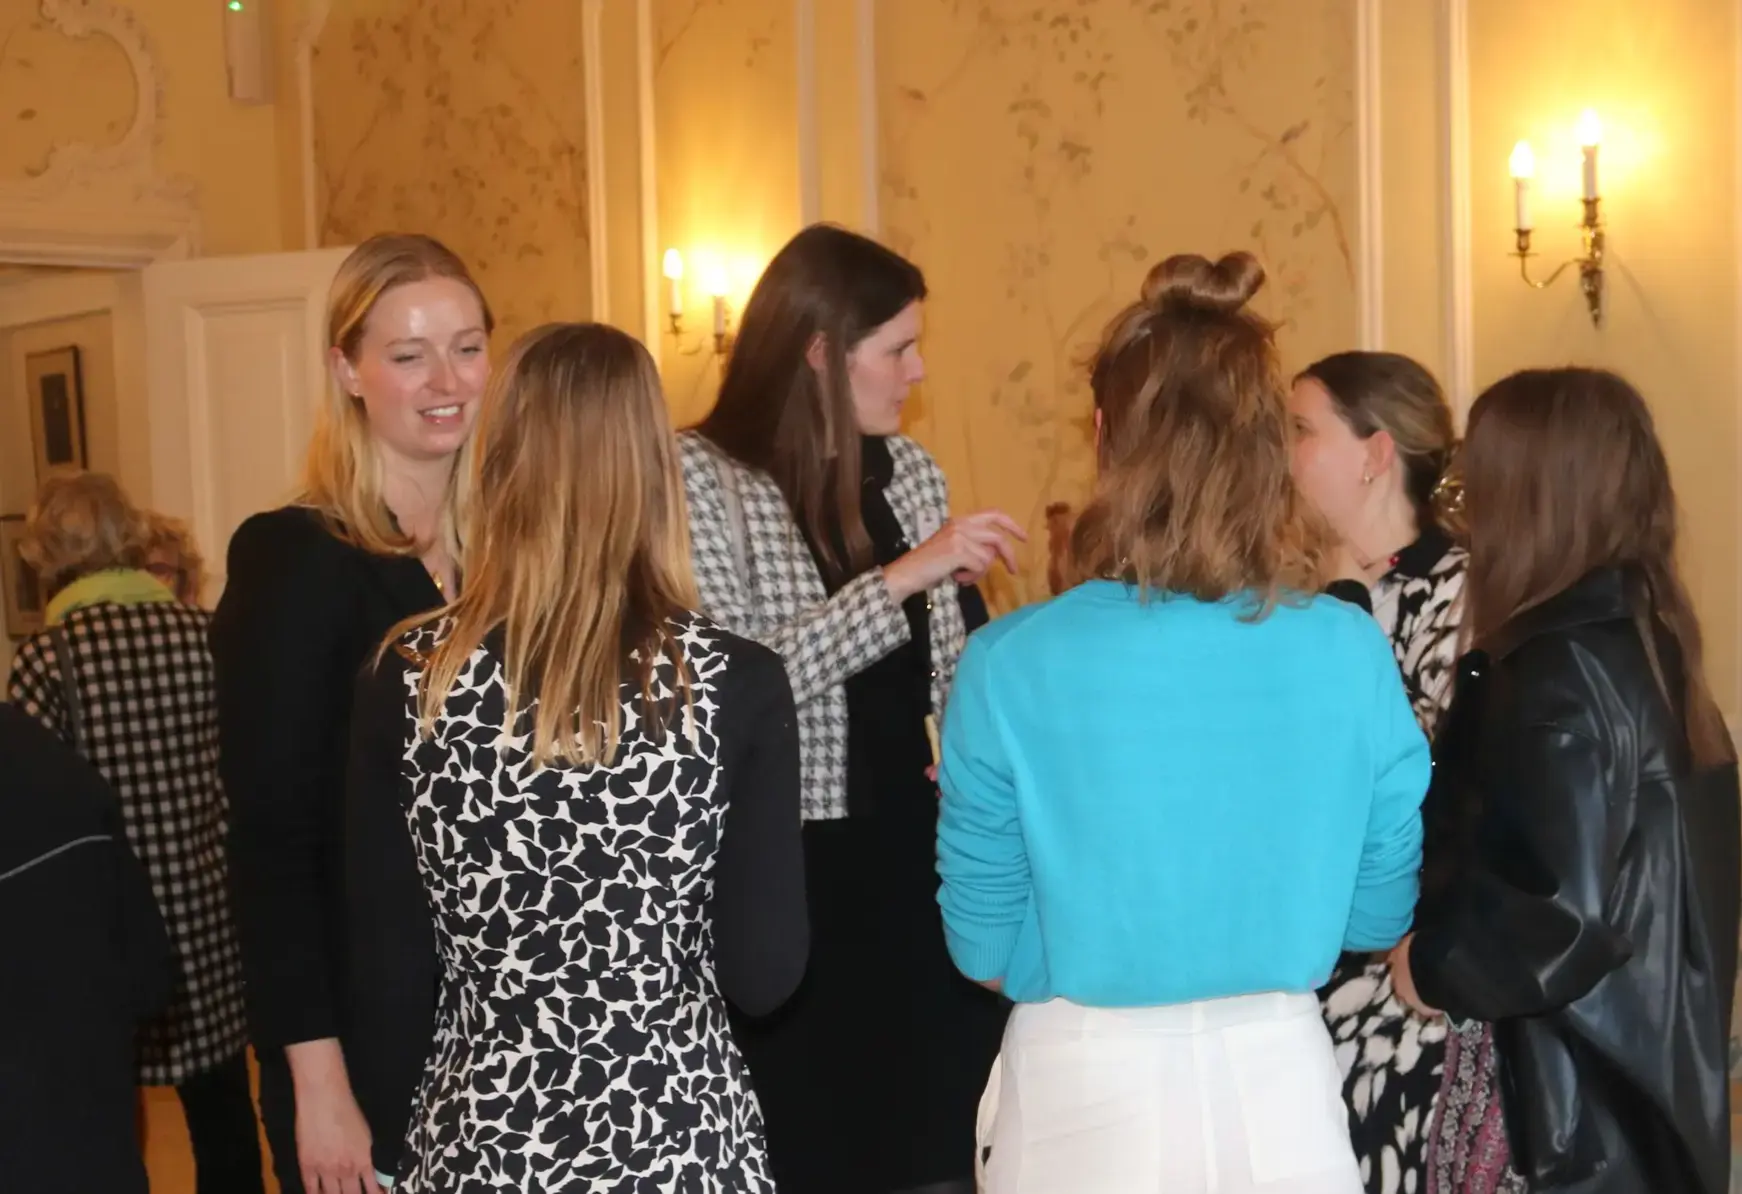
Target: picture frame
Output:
[(23, 590), (55, 383)]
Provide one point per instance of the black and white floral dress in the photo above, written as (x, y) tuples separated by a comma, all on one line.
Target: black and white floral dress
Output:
[(1393, 1060), (589, 921)]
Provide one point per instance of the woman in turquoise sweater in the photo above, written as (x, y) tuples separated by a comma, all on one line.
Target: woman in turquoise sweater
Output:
[(1174, 794)]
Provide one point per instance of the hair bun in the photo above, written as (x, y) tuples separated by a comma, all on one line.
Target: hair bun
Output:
[(1188, 282)]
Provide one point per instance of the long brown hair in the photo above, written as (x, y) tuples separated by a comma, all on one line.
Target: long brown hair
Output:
[(577, 549), (1563, 475), (795, 423), (342, 476), (1194, 494)]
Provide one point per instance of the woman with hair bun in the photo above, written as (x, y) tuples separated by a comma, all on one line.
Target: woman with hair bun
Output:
[(1173, 794)]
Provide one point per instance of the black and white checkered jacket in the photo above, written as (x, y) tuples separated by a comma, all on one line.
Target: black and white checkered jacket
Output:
[(143, 675), (783, 604)]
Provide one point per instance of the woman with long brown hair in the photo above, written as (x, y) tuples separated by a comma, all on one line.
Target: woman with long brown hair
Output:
[(1582, 883), (601, 788), (370, 539), (1173, 794), (823, 532)]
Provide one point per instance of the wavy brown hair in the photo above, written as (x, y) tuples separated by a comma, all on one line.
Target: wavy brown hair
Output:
[(1194, 495), (1563, 475), (577, 549)]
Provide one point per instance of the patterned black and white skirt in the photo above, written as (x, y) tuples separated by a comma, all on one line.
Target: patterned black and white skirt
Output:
[(1392, 1062)]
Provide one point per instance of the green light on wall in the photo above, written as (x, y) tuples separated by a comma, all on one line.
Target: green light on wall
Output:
[(235, 5)]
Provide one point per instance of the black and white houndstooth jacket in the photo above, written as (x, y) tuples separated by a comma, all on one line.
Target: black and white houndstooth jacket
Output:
[(783, 604), (143, 675)]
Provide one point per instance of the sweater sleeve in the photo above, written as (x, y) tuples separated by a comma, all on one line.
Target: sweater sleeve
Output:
[(823, 644), (1389, 879), (283, 705), (761, 924), (982, 862), (35, 686)]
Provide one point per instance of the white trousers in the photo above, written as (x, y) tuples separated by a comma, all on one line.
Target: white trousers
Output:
[(1218, 1097)]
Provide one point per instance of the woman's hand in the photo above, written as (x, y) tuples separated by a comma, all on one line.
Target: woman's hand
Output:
[(332, 1137), (964, 549), (1403, 982)]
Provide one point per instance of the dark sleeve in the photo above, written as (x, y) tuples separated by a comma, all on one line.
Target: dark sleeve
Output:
[(973, 603), (761, 925), (393, 966), (1523, 931), (283, 702), (141, 940), (1351, 591)]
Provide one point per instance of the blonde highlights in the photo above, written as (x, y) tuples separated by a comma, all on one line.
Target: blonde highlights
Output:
[(577, 550), (1194, 495), (342, 473)]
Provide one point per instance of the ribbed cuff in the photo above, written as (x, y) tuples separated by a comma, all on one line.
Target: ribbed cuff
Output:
[(985, 955)]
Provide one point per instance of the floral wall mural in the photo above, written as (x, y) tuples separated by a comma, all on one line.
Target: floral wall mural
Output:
[(1039, 158), (472, 129)]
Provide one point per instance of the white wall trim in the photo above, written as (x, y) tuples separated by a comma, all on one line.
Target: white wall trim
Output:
[(870, 164), (307, 36), (1735, 710), (1455, 242), (598, 227), (644, 112), (1370, 265), (810, 169)]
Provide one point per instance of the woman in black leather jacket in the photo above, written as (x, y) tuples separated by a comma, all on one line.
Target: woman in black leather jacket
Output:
[(1582, 886)]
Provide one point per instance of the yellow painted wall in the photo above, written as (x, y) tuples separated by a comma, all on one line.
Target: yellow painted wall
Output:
[(471, 129), (726, 125), (1663, 79), (56, 90), (1038, 159)]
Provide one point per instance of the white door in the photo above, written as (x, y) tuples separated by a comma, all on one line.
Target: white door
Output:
[(235, 365)]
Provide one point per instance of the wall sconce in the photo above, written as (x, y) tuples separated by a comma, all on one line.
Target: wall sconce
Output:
[(714, 278), (1590, 258), (714, 281)]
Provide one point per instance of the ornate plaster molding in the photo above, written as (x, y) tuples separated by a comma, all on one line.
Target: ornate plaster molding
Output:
[(103, 205)]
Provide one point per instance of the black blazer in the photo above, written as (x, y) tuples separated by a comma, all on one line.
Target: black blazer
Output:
[(302, 612), (87, 959), (1589, 903)]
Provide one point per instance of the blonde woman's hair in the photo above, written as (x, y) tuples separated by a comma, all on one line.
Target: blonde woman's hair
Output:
[(577, 550), (1194, 495), (342, 474), (81, 523), (173, 537)]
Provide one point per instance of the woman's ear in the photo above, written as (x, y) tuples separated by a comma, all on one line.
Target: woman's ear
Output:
[(1381, 453), (816, 353), (344, 373)]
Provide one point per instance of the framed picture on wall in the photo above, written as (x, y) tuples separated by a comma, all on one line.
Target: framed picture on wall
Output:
[(57, 409), (23, 588)]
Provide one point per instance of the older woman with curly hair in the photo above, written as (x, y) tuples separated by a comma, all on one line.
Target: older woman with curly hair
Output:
[(122, 674)]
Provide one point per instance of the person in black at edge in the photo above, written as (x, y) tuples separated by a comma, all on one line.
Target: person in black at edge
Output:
[(87, 960)]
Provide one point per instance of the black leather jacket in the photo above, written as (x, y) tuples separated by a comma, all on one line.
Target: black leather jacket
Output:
[(1582, 894)]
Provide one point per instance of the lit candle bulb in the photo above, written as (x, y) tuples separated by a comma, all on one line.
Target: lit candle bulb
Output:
[(1523, 168), (674, 275), (1590, 136), (714, 277)]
